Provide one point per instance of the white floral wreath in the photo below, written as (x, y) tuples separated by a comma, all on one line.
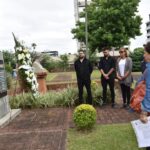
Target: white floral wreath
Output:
[(25, 65)]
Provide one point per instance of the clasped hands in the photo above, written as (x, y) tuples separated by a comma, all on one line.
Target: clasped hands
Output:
[(121, 78)]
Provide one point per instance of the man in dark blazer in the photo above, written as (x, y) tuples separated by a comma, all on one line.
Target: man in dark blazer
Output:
[(83, 70)]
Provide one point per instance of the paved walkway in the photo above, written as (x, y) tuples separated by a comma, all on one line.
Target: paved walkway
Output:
[(46, 129)]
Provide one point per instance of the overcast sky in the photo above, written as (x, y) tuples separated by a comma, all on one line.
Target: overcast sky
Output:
[(48, 24)]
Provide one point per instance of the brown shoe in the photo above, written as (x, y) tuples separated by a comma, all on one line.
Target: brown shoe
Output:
[(143, 117)]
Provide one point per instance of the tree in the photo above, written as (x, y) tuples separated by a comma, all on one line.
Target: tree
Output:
[(111, 23), (137, 57), (48, 63), (64, 62), (9, 60)]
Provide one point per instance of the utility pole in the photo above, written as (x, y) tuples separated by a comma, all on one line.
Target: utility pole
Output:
[(86, 30)]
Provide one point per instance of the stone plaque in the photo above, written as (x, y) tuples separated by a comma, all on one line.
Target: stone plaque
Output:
[(3, 84), (4, 102), (6, 113)]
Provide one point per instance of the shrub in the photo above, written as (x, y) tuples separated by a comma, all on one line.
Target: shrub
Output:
[(66, 97), (84, 116), (8, 80)]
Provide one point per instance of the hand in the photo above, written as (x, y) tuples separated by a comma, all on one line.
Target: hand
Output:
[(119, 78), (106, 76), (123, 78)]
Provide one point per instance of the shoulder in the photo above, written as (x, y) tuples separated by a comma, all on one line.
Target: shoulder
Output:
[(111, 59), (87, 60), (76, 61), (129, 58), (101, 59)]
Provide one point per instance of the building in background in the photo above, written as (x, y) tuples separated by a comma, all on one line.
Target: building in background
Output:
[(79, 5), (51, 53), (148, 29)]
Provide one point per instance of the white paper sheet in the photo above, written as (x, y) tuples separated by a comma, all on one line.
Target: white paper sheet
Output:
[(142, 132)]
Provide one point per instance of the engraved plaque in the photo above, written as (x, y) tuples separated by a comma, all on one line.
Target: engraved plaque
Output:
[(3, 84)]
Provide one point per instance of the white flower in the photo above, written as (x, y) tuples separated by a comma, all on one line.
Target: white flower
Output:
[(33, 87), (27, 67), (28, 56), (27, 72), (29, 80), (31, 74), (21, 56)]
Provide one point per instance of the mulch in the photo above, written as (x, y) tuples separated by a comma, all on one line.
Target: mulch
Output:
[(46, 129)]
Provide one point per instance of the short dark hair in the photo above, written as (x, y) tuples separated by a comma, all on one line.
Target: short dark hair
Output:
[(81, 50), (147, 47), (105, 48)]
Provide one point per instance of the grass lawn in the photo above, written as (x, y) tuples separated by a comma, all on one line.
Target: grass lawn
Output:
[(95, 75), (51, 76), (103, 137)]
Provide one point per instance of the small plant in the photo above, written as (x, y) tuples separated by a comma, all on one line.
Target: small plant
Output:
[(84, 116), (9, 80)]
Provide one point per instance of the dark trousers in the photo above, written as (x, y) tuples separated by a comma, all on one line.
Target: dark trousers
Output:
[(148, 148), (109, 82), (87, 84), (126, 93)]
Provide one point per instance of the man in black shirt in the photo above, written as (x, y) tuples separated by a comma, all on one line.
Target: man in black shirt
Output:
[(107, 69), (83, 70)]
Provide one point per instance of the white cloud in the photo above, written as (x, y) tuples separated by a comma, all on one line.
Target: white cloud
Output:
[(47, 23)]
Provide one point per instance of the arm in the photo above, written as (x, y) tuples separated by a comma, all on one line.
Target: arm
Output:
[(75, 66), (117, 70), (112, 67), (101, 67), (90, 67), (111, 71), (142, 78)]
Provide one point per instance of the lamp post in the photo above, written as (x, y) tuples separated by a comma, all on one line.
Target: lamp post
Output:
[(86, 30)]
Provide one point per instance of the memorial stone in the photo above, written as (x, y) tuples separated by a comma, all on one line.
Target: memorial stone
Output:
[(6, 113)]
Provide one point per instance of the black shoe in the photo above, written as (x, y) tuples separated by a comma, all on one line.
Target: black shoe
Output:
[(104, 104), (127, 107), (113, 105), (124, 106)]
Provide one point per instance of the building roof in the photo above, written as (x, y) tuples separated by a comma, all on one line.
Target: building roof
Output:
[(112, 53)]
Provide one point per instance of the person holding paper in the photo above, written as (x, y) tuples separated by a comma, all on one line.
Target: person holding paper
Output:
[(145, 104)]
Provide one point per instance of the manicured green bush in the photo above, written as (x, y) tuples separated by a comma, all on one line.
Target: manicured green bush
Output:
[(84, 116)]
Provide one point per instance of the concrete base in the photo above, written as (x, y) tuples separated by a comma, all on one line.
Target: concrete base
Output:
[(4, 106), (9, 117)]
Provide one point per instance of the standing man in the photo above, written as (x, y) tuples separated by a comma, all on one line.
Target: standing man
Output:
[(107, 69), (83, 70)]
